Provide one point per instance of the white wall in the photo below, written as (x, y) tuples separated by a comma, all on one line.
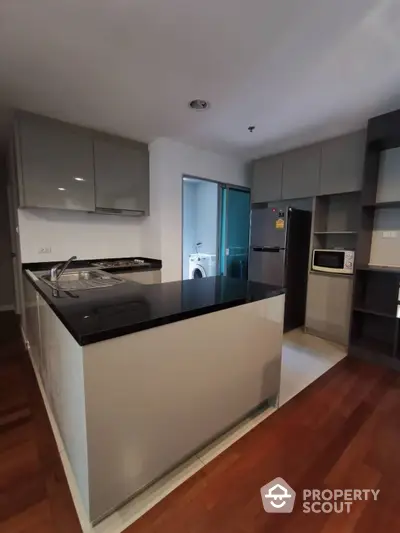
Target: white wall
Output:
[(200, 219), (207, 216), (189, 224), (385, 250), (385, 245), (169, 161), (70, 233)]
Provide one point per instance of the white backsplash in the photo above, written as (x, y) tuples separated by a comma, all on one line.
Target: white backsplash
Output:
[(61, 234)]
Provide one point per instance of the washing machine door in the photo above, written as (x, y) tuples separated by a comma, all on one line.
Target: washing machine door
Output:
[(198, 272)]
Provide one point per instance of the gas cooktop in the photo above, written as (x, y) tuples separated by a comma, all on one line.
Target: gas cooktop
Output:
[(121, 263)]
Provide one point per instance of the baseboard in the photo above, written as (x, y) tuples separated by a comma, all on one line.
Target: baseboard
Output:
[(7, 308)]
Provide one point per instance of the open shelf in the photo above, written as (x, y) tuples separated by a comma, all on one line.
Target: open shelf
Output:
[(373, 312), (373, 334), (383, 204), (373, 347), (336, 221), (335, 233), (377, 268), (376, 293)]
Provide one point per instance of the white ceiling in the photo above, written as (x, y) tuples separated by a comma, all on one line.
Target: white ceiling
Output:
[(299, 70)]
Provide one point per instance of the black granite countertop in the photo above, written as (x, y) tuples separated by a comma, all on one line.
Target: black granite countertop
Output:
[(149, 264), (99, 314)]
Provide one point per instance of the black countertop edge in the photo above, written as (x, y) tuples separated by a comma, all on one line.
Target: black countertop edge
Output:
[(129, 308), (155, 264)]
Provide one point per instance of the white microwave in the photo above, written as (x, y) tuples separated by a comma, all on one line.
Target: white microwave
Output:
[(335, 261)]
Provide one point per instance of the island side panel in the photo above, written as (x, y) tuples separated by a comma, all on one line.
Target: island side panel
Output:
[(61, 372), (154, 397)]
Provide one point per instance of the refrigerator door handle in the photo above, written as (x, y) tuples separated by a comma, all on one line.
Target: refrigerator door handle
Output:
[(275, 249)]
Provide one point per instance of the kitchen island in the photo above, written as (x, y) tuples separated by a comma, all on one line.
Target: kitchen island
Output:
[(139, 377)]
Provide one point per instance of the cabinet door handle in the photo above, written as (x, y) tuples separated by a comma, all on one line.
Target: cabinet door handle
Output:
[(112, 211)]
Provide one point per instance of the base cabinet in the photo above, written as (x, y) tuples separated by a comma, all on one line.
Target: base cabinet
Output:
[(329, 306), (32, 324), (147, 277)]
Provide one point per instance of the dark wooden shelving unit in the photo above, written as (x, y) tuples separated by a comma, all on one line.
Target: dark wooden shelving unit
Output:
[(374, 330)]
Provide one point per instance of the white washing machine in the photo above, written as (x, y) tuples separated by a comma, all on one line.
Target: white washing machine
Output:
[(202, 265)]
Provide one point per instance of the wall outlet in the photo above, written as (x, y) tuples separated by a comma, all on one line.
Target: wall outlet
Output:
[(389, 234), (45, 250)]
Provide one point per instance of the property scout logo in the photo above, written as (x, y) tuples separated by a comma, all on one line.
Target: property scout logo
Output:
[(278, 497)]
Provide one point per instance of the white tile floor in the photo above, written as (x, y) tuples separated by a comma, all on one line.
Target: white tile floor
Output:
[(304, 359)]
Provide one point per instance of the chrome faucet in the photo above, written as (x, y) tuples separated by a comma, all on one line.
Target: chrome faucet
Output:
[(58, 269)]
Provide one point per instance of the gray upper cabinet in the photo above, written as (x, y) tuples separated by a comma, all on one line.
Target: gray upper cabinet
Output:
[(267, 179), (342, 162), (301, 172), (55, 163), (121, 176)]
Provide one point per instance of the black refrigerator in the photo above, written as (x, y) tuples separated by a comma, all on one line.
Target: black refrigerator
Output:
[(279, 255)]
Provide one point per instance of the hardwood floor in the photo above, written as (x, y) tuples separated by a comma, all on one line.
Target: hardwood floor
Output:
[(341, 432), (34, 494)]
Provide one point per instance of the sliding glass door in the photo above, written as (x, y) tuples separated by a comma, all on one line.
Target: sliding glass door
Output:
[(234, 231)]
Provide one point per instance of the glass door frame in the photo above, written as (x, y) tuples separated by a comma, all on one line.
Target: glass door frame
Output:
[(224, 238), (217, 251), (221, 187)]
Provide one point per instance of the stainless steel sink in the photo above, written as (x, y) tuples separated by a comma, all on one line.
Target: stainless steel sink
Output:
[(79, 280)]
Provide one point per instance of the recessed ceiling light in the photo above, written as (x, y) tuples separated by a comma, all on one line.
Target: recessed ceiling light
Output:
[(77, 178), (61, 189), (199, 105)]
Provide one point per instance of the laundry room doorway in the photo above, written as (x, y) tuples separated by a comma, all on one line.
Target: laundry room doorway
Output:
[(215, 229), (200, 225)]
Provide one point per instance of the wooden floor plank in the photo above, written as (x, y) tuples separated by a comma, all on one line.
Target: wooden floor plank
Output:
[(34, 493), (327, 437), (343, 431)]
